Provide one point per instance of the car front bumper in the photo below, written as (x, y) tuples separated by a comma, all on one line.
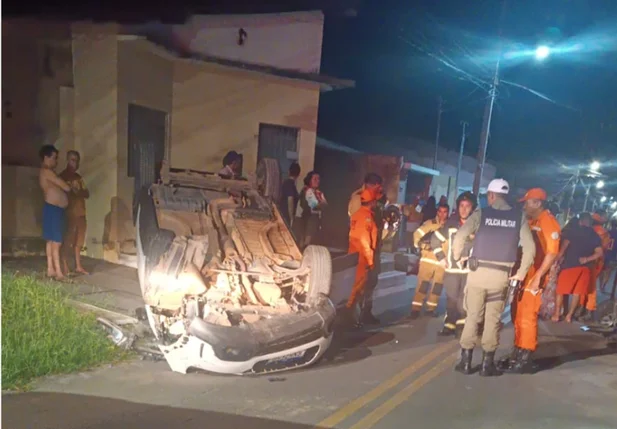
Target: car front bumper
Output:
[(276, 344)]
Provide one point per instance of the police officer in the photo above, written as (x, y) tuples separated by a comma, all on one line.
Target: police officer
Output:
[(498, 230), (455, 276)]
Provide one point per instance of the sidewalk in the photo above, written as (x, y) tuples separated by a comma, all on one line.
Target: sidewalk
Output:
[(110, 286)]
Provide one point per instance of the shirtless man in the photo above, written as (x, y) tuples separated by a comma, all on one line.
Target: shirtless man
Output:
[(56, 200)]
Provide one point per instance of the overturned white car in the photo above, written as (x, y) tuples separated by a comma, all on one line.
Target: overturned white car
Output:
[(226, 288)]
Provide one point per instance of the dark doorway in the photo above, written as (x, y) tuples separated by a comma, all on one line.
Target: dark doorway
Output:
[(280, 143), (147, 134)]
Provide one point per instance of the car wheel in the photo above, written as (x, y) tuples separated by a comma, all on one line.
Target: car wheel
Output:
[(152, 240), (319, 261), (269, 178)]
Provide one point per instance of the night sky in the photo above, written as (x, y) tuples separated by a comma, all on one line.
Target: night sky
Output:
[(393, 48)]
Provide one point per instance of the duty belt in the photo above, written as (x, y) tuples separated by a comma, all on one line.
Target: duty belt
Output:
[(493, 266)]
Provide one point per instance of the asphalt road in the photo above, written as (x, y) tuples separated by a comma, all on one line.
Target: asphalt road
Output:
[(394, 377)]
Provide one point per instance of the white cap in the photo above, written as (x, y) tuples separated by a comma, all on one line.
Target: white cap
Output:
[(499, 186)]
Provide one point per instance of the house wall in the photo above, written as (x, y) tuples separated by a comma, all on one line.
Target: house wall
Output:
[(144, 78), (283, 40), (95, 56), (217, 109), (36, 62), (22, 202)]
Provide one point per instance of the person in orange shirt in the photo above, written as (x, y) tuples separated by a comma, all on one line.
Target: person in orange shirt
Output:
[(599, 218), (363, 234), (527, 302)]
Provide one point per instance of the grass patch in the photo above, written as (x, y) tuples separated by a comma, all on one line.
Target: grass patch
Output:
[(43, 335)]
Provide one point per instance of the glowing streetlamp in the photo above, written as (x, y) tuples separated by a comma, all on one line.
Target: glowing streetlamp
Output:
[(614, 205), (595, 166), (600, 184), (542, 52), (603, 199)]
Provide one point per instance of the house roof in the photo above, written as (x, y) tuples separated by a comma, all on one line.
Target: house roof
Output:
[(326, 83), (327, 144)]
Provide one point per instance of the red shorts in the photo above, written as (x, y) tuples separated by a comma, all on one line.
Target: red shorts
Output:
[(574, 281)]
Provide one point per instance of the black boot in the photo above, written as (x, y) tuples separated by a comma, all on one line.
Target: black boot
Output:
[(510, 360), (368, 319), (523, 364), (446, 332), (366, 315), (488, 368), (464, 365)]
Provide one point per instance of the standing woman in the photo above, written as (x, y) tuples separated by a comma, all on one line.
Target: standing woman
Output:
[(312, 201)]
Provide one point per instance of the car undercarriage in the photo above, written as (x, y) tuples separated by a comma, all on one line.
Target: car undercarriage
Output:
[(226, 287)]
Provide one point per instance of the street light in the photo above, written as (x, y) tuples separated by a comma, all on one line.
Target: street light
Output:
[(542, 52), (595, 166), (600, 184), (614, 205), (603, 199)]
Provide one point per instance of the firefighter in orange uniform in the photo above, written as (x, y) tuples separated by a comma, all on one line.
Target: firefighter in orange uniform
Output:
[(363, 235), (599, 218), (528, 299)]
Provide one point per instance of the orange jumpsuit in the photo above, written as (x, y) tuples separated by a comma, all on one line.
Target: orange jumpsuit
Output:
[(591, 299), (546, 234), (362, 240)]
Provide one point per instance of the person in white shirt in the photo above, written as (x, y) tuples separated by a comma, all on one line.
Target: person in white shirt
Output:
[(309, 212)]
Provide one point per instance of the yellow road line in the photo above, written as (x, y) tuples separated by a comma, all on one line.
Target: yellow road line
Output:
[(384, 409), (347, 410)]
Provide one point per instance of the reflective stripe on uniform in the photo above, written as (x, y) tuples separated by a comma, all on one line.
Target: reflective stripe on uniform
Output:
[(460, 322), (430, 261), (449, 325), (440, 236), (420, 231), (438, 250), (431, 304)]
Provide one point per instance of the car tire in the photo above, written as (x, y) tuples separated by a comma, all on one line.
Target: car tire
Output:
[(319, 261), (159, 244), (269, 178), (154, 241)]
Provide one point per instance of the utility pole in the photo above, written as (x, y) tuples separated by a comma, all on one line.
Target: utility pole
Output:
[(439, 112), (460, 156), (587, 191), (575, 181), (488, 113)]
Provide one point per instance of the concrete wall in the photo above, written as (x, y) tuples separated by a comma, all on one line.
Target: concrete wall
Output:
[(36, 62), (217, 109), (95, 54), (144, 78), (22, 202)]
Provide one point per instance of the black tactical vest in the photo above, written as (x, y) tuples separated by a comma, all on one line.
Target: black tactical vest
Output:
[(498, 235)]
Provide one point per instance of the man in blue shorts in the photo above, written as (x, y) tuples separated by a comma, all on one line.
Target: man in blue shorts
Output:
[(55, 191)]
